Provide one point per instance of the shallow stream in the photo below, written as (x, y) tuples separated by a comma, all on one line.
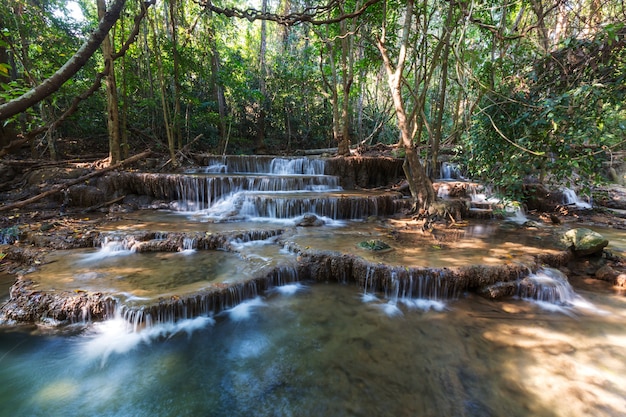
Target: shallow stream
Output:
[(315, 349), (325, 350)]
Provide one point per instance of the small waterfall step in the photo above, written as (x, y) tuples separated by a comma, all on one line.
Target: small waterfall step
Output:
[(238, 188), (259, 189), (262, 164)]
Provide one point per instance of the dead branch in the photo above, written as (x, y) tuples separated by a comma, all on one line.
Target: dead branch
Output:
[(182, 151), (60, 187), (95, 86), (71, 67)]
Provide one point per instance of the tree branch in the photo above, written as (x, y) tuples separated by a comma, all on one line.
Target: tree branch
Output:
[(308, 15), (71, 67)]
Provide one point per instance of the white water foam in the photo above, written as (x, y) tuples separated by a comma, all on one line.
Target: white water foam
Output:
[(424, 304), (553, 292), (367, 297), (109, 249), (571, 199), (244, 310), (515, 214), (290, 289), (390, 309), (116, 336)]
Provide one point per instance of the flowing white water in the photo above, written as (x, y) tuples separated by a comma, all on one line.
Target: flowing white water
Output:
[(570, 198), (425, 297), (110, 248), (323, 353), (117, 337), (278, 190), (551, 290), (449, 171), (515, 214)]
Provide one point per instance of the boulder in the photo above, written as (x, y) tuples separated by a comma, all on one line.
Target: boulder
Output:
[(584, 242), (606, 273), (310, 220)]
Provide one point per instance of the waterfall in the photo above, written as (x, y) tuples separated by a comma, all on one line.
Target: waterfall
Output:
[(189, 244), (424, 290), (276, 190), (298, 166), (449, 171), (571, 199), (112, 245), (551, 289), (548, 285)]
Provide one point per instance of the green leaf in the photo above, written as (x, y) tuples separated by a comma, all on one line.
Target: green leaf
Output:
[(4, 69)]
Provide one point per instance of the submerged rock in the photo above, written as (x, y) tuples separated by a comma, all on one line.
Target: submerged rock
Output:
[(374, 245), (310, 220), (584, 242)]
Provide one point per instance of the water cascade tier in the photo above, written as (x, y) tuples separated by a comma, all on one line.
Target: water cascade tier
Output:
[(270, 286), (154, 278), (240, 226), (238, 188)]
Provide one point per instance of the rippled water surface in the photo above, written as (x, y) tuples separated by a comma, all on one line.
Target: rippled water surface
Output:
[(325, 350)]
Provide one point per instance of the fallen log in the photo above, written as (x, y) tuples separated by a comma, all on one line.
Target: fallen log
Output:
[(319, 151), (60, 187)]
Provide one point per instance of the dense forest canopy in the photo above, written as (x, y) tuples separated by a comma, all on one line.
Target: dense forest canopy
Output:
[(510, 88)]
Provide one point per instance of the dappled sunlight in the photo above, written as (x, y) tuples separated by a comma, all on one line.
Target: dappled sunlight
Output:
[(573, 366)]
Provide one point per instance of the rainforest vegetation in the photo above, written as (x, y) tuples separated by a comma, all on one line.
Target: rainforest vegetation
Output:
[(509, 89)]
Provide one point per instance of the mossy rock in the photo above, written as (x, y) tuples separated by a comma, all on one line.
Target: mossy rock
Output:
[(374, 245), (584, 242)]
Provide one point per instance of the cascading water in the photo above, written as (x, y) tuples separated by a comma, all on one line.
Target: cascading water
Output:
[(551, 289), (570, 198), (450, 171), (206, 321), (273, 189)]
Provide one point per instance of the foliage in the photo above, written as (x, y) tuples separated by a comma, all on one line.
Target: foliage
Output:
[(527, 89), (555, 125)]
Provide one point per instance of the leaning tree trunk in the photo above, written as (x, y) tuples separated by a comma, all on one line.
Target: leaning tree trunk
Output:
[(421, 187), (71, 67), (261, 147)]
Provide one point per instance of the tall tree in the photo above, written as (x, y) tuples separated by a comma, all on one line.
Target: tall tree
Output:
[(262, 105), (338, 80), (409, 123), (113, 114)]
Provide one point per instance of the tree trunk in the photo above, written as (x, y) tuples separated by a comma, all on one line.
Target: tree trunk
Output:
[(347, 67), (176, 125), (113, 119), (71, 67), (167, 121), (216, 86), (420, 185), (260, 123), (437, 128)]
